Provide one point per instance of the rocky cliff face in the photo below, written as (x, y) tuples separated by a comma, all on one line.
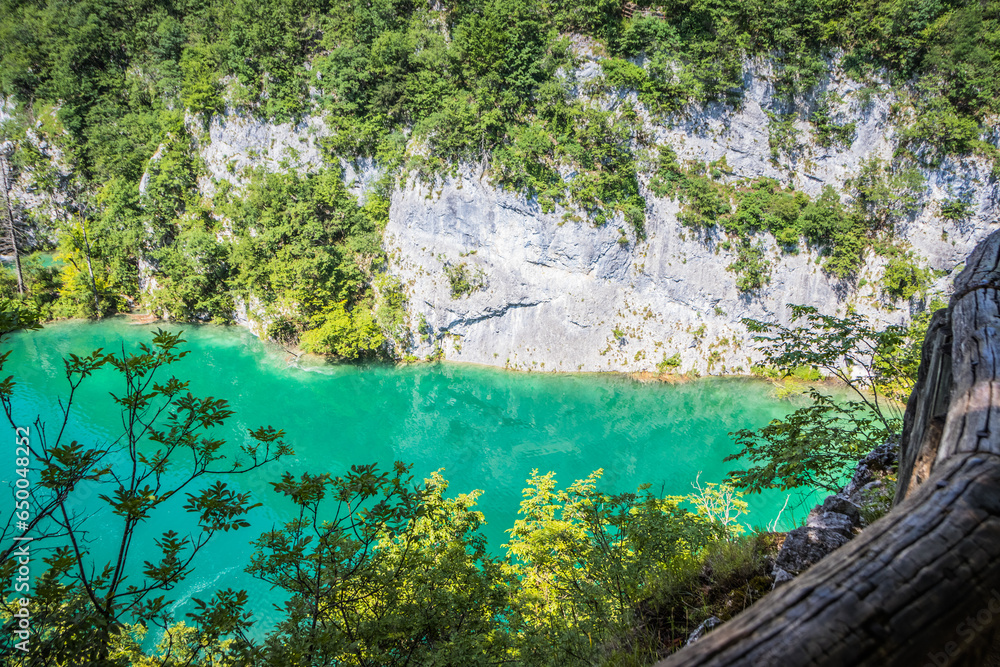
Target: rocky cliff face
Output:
[(572, 297), (559, 295), (42, 190)]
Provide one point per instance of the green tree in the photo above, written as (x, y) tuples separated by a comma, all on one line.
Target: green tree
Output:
[(343, 334), (903, 277), (754, 271), (194, 274), (382, 572), (201, 91), (85, 599), (119, 234), (814, 447), (84, 292), (823, 218), (585, 559), (817, 445)]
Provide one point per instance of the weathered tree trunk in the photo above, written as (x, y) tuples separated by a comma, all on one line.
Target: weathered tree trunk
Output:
[(921, 586), (10, 227), (90, 267)]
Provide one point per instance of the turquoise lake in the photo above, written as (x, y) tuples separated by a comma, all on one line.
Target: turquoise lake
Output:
[(487, 428)]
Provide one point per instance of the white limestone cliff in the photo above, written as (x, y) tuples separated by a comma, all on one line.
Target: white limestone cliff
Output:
[(565, 296), (569, 296)]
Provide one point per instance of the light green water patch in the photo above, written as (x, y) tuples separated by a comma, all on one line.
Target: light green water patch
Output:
[(487, 428), (40, 259), (46, 259)]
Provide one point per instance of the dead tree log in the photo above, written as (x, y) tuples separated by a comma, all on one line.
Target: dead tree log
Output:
[(10, 227), (921, 586)]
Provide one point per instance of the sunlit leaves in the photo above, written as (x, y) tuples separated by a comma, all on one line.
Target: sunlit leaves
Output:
[(585, 558), (814, 447)]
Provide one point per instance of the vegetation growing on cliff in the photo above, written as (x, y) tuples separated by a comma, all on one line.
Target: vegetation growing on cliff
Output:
[(881, 196), (421, 87)]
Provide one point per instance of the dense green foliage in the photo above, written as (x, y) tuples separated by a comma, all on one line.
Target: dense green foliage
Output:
[(420, 88), (303, 249)]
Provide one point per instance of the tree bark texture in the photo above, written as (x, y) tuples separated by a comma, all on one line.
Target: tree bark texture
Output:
[(11, 227), (921, 586)]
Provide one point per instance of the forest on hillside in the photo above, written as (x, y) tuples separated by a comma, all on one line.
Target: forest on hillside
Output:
[(100, 93)]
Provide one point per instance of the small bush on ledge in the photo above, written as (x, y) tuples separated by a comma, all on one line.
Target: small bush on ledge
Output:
[(464, 280)]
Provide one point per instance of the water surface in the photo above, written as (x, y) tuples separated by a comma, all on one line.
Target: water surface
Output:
[(487, 428)]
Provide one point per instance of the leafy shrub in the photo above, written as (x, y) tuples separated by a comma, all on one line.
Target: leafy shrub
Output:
[(829, 133), (765, 206), (847, 251), (456, 131), (201, 91), (721, 503), (896, 369), (903, 278), (956, 209), (193, 275), (806, 373), (669, 364), (620, 73), (283, 330), (463, 279), (302, 242), (390, 312), (604, 551), (752, 269), (940, 131), (706, 202), (782, 137), (669, 176), (344, 334), (823, 218)]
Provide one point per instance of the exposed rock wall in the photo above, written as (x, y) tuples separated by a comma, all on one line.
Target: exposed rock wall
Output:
[(833, 523), (569, 296), (47, 202), (234, 143)]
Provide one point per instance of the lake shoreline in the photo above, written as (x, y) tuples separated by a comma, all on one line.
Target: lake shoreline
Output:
[(295, 356)]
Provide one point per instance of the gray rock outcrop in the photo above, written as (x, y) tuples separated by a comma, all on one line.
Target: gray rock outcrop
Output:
[(564, 295), (832, 524)]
